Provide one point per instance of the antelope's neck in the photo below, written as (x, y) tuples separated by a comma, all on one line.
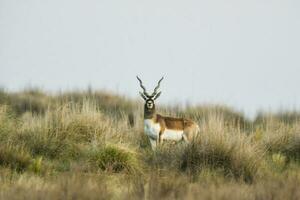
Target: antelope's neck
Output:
[(149, 114)]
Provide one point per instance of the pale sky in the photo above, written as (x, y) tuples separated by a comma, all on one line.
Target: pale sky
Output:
[(241, 53)]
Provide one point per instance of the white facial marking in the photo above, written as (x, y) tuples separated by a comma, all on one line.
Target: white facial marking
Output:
[(149, 104)]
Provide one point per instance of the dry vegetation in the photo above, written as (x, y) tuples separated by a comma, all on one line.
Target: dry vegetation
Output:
[(90, 145)]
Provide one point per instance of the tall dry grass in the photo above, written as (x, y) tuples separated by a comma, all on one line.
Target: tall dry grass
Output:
[(90, 145)]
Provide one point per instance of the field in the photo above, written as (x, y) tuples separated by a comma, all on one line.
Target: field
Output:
[(90, 145)]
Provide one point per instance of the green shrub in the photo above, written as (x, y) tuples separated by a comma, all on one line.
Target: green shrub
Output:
[(284, 140), (86, 128), (15, 157), (197, 157), (49, 145), (279, 161), (37, 165), (29, 101), (114, 159)]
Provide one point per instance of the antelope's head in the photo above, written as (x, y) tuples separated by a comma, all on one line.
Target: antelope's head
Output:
[(149, 99)]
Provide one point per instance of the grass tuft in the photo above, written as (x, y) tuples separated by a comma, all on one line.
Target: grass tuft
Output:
[(113, 159), (15, 158)]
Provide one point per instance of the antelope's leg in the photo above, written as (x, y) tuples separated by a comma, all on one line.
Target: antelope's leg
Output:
[(160, 138), (185, 138), (153, 143)]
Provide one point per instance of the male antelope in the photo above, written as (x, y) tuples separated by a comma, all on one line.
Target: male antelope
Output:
[(158, 127)]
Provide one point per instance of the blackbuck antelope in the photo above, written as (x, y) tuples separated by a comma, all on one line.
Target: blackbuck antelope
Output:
[(158, 127)]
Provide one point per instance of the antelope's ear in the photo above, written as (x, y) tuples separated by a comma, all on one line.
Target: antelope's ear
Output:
[(143, 96), (156, 96)]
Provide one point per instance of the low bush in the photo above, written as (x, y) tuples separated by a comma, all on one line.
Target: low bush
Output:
[(114, 159), (278, 138), (14, 157), (30, 100), (51, 147)]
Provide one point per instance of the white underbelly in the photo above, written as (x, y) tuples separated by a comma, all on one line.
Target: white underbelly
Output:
[(172, 135), (152, 130)]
